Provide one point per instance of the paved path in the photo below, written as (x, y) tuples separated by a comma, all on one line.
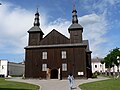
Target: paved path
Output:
[(57, 84)]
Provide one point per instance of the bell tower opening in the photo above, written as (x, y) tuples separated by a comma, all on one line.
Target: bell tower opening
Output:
[(54, 74)]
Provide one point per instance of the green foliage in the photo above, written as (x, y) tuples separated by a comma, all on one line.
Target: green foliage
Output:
[(95, 74), (11, 85), (111, 58), (110, 84), (102, 62)]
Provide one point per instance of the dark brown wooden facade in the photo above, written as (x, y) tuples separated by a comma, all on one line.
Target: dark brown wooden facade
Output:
[(77, 59)]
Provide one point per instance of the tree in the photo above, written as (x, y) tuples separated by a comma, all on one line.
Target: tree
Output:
[(111, 59), (115, 52)]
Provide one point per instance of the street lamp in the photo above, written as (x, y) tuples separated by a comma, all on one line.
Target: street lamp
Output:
[(118, 61)]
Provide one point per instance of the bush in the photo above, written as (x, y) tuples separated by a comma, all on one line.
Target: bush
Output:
[(95, 74)]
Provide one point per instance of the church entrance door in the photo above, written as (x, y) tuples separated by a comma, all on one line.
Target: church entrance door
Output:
[(54, 74)]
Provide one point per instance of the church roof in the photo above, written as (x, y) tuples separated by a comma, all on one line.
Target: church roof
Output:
[(75, 26), (54, 37), (97, 59), (35, 29), (87, 43), (36, 24), (58, 45)]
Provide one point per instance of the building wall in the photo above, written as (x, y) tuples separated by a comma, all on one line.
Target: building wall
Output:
[(34, 39), (10, 68), (88, 63), (3, 67), (76, 61), (97, 66), (16, 69), (76, 36), (114, 69), (54, 37)]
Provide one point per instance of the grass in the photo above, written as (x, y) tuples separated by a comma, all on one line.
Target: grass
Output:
[(11, 85), (110, 84)]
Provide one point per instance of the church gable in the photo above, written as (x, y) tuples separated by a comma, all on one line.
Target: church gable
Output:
[(54, 37)]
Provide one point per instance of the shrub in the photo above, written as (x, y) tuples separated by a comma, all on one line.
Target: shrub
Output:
[(95, 74)]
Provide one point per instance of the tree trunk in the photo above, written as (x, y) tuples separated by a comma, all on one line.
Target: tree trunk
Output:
[(109, 69)]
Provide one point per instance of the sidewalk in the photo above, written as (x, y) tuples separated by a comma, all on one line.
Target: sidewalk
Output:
[(57, 84)]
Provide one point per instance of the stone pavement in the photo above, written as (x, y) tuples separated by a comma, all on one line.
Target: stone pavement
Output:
[(57, 84)]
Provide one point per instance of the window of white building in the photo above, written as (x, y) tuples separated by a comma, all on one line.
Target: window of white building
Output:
[(44, 55), (64, 67), (95, 66), (44, 67), (63, 54)]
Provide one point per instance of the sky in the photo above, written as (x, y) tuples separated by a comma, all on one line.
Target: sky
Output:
[(99, 18)]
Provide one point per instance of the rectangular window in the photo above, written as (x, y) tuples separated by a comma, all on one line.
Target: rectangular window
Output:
[(44, 67), (95, 66), (64, 67), (44, 55), (63, 54)]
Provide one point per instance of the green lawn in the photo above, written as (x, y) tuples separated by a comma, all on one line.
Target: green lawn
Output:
[(11, 85), (110, 84)]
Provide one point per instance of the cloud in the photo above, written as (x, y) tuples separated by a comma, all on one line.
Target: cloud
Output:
[(60, 24), (113, 2), (95, 28), (104, 23), (99, 6), (16, 21), (89, 19)]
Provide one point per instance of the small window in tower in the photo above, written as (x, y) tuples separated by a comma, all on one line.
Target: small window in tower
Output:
[(63, 54), (64, 67), (44, 67), (44, 55)]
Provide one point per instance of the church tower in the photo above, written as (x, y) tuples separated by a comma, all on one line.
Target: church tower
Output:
[(35, 33), (75, 29)]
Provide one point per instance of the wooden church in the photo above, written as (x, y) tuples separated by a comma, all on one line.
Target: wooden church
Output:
[(54, 56)]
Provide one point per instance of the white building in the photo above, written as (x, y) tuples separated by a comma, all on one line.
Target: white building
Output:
[(97, 66), (11, 69)]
